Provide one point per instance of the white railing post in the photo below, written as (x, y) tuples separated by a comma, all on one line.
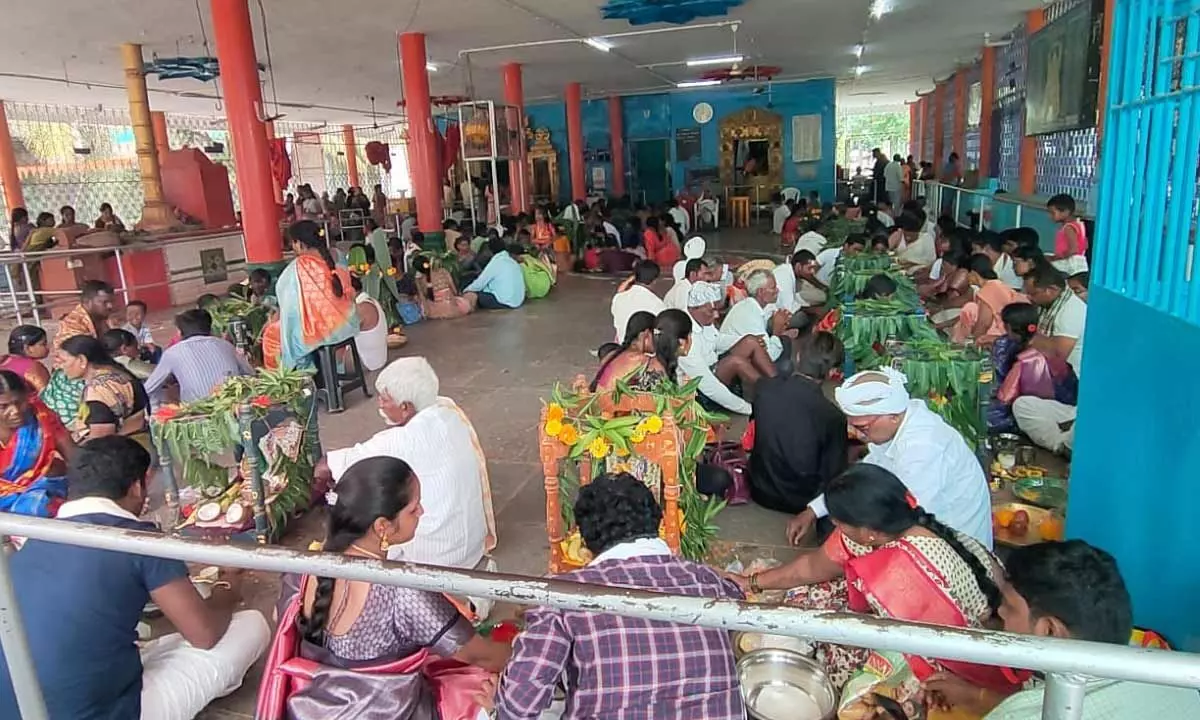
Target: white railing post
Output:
[(1017, 218), (33, 303), (1064, 697), (121, 276), (957, 202), (12, 294), (15, 644)]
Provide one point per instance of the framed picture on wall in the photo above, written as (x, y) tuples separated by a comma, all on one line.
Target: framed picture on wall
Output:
[(806, 138), (974, 104), (687, 144)]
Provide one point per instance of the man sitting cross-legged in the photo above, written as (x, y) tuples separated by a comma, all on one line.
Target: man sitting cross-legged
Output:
[(436, 439), (81, 606), (746, 361)]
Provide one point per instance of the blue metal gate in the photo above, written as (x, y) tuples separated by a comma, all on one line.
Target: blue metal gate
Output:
[(1137, 446)]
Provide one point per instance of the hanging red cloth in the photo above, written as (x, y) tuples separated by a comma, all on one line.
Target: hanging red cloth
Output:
[(379, 154), (281, 164), (451, 145)]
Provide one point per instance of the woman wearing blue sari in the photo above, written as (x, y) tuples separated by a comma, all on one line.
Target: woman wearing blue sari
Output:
[(33, 447), (316, 302)]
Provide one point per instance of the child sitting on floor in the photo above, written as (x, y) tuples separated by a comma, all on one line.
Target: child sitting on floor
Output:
[(135, 324)]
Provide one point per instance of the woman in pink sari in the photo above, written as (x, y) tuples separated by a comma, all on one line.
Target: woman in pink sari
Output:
[(373, 652), (889, 558), (980, 319)]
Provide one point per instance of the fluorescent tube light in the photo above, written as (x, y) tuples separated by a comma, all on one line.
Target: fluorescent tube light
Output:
[(879, 8), (431, 67), (727, 60), (697, 83), (598, 44)]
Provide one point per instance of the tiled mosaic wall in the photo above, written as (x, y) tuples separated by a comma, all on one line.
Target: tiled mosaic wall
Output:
[(1009, 108), (971, 150), (1066, 161), (76, 156)]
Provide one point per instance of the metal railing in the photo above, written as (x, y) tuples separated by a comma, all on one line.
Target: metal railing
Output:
[(35, 300), (992, 210), (1068, 662)]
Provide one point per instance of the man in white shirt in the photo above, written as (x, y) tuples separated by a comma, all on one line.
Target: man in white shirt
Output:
[(436, 439), (677, 297), (883, 213), (634, 295), (1069, 590), (754, 317), (783, 211), (920, 247), (680, 216), (917, 446), (827, 259), (798, 284), (1050, 423), (747, 360), (811, 240), (992, 244), (893, 178)]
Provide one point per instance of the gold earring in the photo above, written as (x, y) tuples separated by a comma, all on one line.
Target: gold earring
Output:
[(384, 545)]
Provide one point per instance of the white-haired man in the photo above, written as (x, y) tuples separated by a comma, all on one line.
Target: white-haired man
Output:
[(919, 447), (746, 360), (437, 440), (754, 317)]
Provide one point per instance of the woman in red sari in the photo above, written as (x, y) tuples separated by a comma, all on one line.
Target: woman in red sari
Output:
[(33, 446), (373, 652), (888, 557)]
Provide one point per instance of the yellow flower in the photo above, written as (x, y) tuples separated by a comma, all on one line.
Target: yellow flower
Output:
[(569, 435), (638, 435), (392, 272), (599, 448), (621, 452), (653, 424), (554, 412), (554, 427)]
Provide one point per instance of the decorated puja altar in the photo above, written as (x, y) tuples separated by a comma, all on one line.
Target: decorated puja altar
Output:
[(239, 464)]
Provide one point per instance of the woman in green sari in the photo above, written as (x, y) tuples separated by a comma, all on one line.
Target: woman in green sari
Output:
[(373, 263)]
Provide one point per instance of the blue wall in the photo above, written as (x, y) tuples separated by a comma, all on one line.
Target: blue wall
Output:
[(1133, 479), (649, 117)]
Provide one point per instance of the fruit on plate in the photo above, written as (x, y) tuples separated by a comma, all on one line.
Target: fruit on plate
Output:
[(1052, 528), (1004, 517), (209, 512), (573, 550), (1019, 526)]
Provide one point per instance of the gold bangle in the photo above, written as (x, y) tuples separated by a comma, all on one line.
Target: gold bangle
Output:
[(754, 586)]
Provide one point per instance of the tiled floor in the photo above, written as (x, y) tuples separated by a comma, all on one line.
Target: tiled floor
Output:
[(498, 367)]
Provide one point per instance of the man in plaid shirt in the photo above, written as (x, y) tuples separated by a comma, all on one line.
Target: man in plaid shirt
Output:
[(621, 668)]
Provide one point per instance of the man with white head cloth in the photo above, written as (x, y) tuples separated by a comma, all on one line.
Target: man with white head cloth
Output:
[(917, 446), (755, 316), (746, 361), (436, 439)]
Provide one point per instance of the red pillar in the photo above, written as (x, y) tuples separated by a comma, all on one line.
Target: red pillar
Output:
[(616, 130), (514, 96), (251, 156), (1034, 20), (939, 104), (1105, 53), (351, 155), (575, 141), (987, 91), (422, 148), (9, 176), (269, 126), (914, 130)]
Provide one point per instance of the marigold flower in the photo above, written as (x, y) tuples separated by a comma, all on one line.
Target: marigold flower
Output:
[(554, 411), (569, 435), (599, 448), (554, 427)]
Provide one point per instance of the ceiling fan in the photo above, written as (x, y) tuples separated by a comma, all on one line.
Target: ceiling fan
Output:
[(738, 72)]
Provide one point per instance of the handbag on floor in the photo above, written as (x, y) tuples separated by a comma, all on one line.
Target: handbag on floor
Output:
[(730, 457)]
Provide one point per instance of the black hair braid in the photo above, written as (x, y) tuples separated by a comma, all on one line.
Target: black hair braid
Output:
[(982, 578), (313, 626), (336, 281)]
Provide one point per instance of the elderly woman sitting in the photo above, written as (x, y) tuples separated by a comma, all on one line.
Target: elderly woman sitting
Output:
[(435, 437)]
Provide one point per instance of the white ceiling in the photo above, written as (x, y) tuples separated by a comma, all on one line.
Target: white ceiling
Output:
[(334, 55)]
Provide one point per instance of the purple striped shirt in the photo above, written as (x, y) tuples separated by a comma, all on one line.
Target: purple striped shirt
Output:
[(199, 364), (621, 668)]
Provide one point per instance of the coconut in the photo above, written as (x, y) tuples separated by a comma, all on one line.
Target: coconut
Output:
[(208, 512), (235, 514)]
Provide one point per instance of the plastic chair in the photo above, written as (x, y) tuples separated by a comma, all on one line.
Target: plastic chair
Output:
[(712, 205), (333, 384), (790, 193)]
